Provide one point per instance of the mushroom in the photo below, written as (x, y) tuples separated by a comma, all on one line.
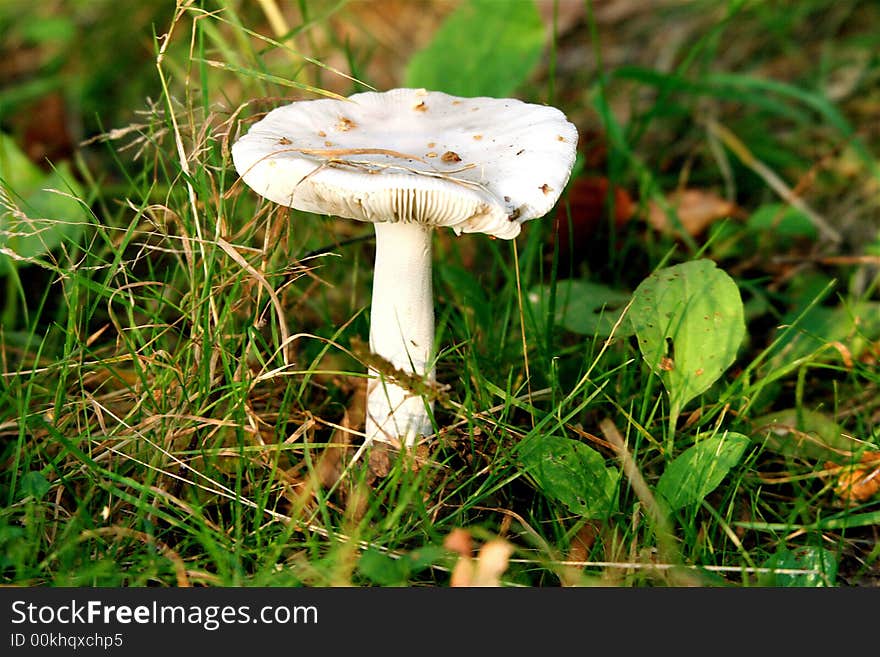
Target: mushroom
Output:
[(410, 160)]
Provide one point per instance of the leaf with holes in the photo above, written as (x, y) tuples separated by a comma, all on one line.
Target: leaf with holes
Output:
[(689, 322), (571, 473), (700, 469)]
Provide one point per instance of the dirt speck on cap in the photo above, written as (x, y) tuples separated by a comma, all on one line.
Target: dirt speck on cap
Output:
[(345, 124)]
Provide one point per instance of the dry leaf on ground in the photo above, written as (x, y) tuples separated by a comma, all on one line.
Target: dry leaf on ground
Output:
[(697, 209), (857, 483)]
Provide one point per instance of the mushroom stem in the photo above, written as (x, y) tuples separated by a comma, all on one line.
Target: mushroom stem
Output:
[(401, 331)]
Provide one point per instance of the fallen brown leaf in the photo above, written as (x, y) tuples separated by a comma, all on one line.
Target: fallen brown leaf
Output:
[(697, 209), (857, 483)]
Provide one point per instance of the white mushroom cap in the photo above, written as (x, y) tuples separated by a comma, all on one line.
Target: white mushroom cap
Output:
[(474, 164)]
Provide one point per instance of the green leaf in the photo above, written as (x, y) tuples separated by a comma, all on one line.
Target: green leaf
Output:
[(820, 561), (40, 210), (781, 220), (582, 307), (571, 473), (54, 30), (382, 569), (700, 469), (14, 545), (689, 321), (484, 48), (16, 170), (424, 557), (34, 484), (385, 570)]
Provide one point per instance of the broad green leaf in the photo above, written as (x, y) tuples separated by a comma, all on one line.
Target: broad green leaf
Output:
[(14, 545), (382, 569), (16, 170), (700, 469), (582, 307), (780, 220), (484, 48), (571, 473), (54, 30), (424, 557), (689, 322), (40, 210), (34, 484), (820, 566)]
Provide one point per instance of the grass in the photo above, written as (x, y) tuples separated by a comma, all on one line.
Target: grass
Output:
[(182, 385)]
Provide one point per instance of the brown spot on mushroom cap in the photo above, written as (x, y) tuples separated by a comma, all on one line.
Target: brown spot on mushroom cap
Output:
[(284, 141), (421, 107), (546, 188), (478, 137), (328, 143), (431, 144), (431, 154), (450, 156), (321, 133), (345, 124), (560, 138)]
